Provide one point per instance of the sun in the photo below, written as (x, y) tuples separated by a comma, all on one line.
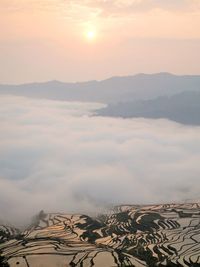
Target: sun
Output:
[(91, 35)]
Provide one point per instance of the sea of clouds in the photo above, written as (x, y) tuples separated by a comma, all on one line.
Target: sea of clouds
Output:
[(57, 156)]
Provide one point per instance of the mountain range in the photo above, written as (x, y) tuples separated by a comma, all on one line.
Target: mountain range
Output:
[(161, 95), (112, 90)]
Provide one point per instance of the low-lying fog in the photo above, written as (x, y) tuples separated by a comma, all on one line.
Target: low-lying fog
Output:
[(57, 157)]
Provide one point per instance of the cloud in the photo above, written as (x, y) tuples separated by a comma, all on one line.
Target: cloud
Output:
[(56, 156), (105, 6)]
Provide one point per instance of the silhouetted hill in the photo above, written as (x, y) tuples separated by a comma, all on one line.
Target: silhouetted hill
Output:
[(183, 108), (113, 90)]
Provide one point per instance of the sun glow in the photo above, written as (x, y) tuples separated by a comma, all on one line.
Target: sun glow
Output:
[(91, 35)]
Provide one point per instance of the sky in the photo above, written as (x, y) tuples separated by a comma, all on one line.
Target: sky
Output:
[(56, 156), (78, 40)]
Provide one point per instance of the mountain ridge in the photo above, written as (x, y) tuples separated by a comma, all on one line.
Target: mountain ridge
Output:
[(182, 108), (111, 90)]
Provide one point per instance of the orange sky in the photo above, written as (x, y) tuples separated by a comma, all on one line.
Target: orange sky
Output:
[(47, 39)]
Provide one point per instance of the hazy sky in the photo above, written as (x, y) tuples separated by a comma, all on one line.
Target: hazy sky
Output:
[(52, 39)]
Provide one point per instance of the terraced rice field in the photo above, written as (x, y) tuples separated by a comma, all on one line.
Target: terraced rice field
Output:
[(130, 235)]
